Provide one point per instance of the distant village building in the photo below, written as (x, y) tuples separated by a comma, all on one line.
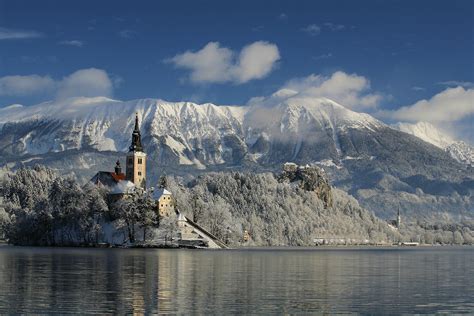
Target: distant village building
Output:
[(396, 223), (246, 236)]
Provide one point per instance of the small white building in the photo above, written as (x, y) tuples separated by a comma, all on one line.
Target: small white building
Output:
[(165, 202)]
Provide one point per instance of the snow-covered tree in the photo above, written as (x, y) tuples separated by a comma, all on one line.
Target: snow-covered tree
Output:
[(138, 211), (38, 207)]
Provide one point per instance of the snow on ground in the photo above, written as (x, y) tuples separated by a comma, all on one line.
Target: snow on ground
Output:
[(462, 152), (328, 163)]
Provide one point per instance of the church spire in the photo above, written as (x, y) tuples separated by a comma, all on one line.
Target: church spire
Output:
[(136, 137), (136, 123), (399, 219)]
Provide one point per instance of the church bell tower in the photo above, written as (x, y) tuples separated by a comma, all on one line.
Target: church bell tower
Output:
[(136, 159)]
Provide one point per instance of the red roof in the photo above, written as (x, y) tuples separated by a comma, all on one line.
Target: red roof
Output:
[(118, 177), (107, 178)]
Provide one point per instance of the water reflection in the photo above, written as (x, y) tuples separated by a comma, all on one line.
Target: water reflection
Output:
[(43, 280)]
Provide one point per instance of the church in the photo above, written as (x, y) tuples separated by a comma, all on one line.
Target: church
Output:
[(120, 185)]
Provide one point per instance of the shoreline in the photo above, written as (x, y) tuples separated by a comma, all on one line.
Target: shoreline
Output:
[(277, 248)]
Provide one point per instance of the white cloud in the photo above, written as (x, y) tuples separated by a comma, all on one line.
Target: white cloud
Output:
[(25, 85), (283, 16), (126, 34), (350, 90), (17, 34), (210, 64), (214, 63), (450, 105), (456, 83), (323, 56), (76, 43), (82, 83), (417, 88), (334, 27), (90, 82), (256, 61), (258, 28), (312, 29)]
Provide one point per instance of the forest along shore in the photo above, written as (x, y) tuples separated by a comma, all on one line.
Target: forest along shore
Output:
[(41, 208)]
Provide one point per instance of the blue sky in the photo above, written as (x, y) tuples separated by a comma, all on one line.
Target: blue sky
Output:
[(405, 51)]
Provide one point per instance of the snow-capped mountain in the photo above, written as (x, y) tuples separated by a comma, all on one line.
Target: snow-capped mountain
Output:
[(427, 132), (459, 150), (376, 163), (180, 130), (181, 133)]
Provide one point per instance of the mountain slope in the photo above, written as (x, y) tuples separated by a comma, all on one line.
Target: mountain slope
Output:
[(176, 129), (377, 164), (426, 132), (462, 152), (459, 150)]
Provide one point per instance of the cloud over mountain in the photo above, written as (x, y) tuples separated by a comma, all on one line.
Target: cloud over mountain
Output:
[(25, 85), (351, 90), (82, 83), (450, 105), (216, 64), (90, 82), (451, 110)]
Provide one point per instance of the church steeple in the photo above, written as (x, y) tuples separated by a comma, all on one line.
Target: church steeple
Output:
[(399, 219), (136, 137), (136, 158)]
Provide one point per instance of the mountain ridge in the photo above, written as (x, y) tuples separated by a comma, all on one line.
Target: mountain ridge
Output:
[(459, 150), (363, 156)]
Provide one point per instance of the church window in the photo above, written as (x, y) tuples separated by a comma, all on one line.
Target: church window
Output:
[(139, 161), (139, 173)]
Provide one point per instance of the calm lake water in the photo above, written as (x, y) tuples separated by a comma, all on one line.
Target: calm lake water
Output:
[(265, 281)]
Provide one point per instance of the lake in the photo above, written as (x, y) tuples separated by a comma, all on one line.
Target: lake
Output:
[(247, 281)]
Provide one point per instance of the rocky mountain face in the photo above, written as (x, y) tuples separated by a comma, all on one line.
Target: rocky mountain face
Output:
[(381, 166), (309, 179)]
